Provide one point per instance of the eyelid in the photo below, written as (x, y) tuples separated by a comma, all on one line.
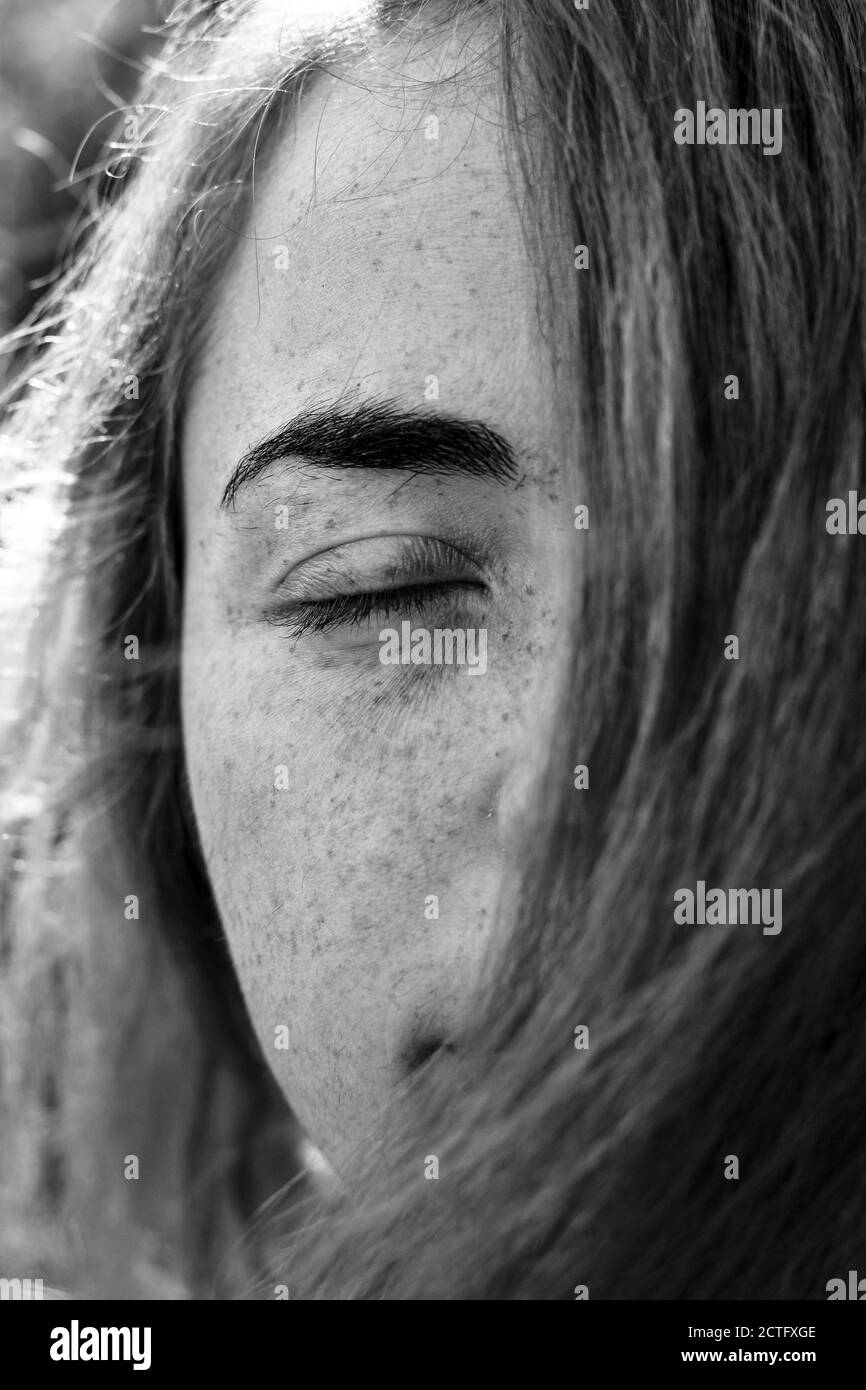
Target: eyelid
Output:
[(360, 566), (318, 616)]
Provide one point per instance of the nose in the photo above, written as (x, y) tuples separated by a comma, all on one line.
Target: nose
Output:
[(422, 1048)]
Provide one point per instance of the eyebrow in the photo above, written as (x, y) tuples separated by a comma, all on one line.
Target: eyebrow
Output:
[(379, 435)]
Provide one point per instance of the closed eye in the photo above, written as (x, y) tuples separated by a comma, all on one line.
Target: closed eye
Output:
[(310, 617)]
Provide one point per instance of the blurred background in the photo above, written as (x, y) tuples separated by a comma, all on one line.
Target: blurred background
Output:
[(66, 66)]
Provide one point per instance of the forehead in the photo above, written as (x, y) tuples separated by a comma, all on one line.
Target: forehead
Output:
[(383, 247)]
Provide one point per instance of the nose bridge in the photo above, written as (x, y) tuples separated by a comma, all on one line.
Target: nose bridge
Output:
[(523, 771)]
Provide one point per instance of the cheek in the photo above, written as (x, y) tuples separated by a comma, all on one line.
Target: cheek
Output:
[(352, 842)]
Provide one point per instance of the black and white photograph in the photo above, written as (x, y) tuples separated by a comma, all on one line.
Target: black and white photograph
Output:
[(433, 665)]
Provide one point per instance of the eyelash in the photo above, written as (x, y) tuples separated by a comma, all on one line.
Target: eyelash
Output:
[(352, 610)]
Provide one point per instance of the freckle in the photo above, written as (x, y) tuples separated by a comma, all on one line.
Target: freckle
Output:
[(419, 245), (505, 716)]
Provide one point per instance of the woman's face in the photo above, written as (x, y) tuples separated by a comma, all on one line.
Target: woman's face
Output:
[(356, 816)]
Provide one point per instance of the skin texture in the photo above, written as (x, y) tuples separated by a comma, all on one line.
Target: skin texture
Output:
[(384, 257)]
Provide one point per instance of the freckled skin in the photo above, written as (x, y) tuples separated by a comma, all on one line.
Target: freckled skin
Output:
[(392, 774)]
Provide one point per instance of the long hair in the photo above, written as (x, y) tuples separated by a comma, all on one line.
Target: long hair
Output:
[(603, 1168)]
